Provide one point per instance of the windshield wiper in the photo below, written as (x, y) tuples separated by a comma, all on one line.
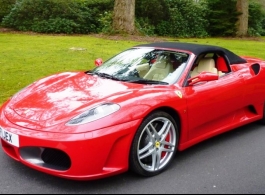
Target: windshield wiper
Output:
[(145, 81), (139, 81), (108, 76)]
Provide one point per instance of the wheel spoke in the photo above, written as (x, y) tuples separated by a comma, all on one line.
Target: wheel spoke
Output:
[(151, 136), (157, 136), (156, 160), (167, 150), (165, 143), (164, 130), (146, 151)]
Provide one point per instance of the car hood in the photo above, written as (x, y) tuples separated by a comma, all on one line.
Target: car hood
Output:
[(63, 96)]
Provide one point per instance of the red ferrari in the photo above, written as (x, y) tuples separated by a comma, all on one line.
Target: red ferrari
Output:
[(133, 111)]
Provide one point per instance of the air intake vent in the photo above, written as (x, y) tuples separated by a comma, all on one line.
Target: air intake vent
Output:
[(56, 158), (255, 68)]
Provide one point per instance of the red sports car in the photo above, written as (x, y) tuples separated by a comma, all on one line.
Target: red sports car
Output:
[(133, 111)]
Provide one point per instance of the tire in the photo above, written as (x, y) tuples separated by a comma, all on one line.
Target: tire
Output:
[(154, 145)]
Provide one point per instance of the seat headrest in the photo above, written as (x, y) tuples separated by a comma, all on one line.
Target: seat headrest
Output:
[(221, 64), (206, 64), (161, 62)]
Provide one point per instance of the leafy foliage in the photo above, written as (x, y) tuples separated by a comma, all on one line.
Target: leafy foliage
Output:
[(182, 18), (222, 20), (153, 11), (256, 19), (5, 7), (177, 18), (188, 19), (145, 26), (56, 16)]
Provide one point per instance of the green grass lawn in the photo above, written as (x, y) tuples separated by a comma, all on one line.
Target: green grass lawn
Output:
[(25, 58)]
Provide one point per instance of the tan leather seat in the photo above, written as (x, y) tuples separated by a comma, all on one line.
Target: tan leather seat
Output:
[(205, 64), (143, 69), (160, 69)]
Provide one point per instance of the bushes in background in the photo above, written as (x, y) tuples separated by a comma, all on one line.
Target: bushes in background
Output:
[(5, 7), (57, 16), (222, 19), (176, 18), (180, 18), (256, 24)]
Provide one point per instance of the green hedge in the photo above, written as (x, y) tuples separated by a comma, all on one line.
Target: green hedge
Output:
[(176, 18), (57, 16), (5, 7), (256, 19), (180, 18)]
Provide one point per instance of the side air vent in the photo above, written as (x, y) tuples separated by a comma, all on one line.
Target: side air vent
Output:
[(255, 68)]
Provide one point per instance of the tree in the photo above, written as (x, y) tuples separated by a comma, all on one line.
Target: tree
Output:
[(5, 7), (242, 24), (124, 16), (222, 20)]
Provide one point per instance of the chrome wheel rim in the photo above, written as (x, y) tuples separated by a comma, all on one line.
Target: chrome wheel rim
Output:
[(156, 144)]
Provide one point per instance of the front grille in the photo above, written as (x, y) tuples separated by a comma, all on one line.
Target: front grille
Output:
[(56, 158), (46, 157)]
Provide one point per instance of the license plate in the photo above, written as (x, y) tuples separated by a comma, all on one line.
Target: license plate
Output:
[(11, 138)]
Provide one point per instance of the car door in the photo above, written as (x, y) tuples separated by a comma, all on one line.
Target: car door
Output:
[(212, 105)]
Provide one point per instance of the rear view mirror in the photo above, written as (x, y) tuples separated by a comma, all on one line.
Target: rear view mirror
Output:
[(98, 62)]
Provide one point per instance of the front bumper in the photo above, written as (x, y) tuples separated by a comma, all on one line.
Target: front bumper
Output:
[(85, 156)]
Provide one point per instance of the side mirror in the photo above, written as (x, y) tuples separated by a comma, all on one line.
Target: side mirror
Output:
[(98, 62), (203, 77)]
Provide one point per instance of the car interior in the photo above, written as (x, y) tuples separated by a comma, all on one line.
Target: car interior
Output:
[(210, 62), (160, 69), (205, 64)]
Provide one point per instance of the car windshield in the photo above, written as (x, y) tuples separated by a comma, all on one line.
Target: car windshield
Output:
[(144, 66)]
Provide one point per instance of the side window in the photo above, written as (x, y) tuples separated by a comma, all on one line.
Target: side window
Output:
[(210, 62), (166, 66), (205, 64), (178, 59)]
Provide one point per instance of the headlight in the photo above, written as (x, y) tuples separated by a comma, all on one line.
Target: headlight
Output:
[(94, 114)]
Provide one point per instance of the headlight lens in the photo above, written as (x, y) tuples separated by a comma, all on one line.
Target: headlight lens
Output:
[(94, 114)]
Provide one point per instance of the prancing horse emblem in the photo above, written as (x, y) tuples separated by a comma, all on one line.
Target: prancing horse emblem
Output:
[(179, 93)]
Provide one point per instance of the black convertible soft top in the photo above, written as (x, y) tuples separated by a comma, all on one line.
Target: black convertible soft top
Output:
[(197, 49)]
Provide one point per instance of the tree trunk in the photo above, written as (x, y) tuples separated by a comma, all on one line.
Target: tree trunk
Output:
[(124, 16), (242, 25)]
